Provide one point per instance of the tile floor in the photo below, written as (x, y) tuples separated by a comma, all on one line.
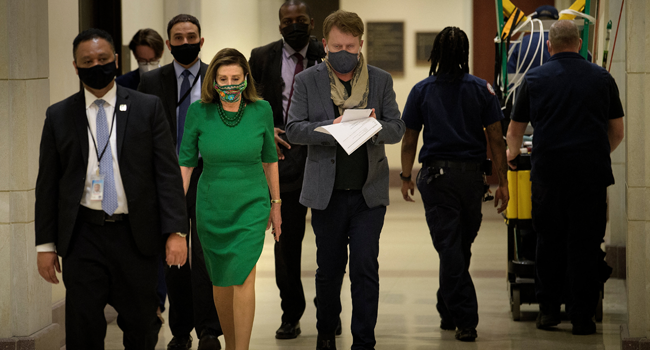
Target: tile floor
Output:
[(408, 319)]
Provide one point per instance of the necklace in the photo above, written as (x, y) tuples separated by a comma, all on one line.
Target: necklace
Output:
[(231, 122)]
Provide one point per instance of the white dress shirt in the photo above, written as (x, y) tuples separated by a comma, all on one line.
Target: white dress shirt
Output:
[(91, 113)]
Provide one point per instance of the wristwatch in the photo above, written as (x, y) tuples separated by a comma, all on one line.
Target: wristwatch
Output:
[(182, 235), (404, 178), (278, 201)]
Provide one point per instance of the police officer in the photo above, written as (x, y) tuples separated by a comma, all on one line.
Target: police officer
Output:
[(577, 115), (454, 107)]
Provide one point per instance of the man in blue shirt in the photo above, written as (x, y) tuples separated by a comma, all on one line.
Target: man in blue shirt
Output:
[(577, 115), (454, 107), (178, 84)]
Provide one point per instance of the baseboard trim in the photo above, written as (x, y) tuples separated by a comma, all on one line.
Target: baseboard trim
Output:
[(629, 343), (45, 339)]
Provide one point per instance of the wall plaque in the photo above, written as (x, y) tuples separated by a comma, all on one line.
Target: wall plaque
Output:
[(423, 46), (385, 46)]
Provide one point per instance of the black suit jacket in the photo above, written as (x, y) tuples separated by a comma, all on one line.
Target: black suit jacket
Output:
[(129, 80), (148, 166), (162, 82), (266, 69)]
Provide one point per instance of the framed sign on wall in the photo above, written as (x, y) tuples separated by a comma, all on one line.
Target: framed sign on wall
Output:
[(385, 46), (423, 46)]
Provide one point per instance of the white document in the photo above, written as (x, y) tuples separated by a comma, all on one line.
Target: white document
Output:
[(354, 129)]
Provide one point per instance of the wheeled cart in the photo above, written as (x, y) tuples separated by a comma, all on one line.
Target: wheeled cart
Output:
[(522, 241)]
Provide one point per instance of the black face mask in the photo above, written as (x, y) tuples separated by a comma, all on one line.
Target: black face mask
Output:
[(98, 76), (186, 53), (296, 35)]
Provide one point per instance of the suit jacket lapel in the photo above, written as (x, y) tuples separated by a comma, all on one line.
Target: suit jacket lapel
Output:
[(122, 109), (81, 124), (202, 71), (322, 81)]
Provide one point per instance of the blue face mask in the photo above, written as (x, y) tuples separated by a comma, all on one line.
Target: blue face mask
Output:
[(343, 61)]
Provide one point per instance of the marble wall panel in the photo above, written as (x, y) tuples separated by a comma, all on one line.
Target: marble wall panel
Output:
[(6, 311), (5, 133), (18, 124), (32, 310), (5, 207), (34, 119), (636, 278), (635, 131), (636, 12), (20, 202), (636, 203), (4, 54), (617, 207), (27, 38)]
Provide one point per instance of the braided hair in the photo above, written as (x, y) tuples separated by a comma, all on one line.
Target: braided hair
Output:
[(450, 53)]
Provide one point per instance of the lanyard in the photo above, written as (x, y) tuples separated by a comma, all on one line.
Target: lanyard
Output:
[(99, 157), (187, 93)]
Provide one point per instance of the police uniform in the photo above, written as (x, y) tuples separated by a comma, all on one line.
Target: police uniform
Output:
[(451, 180), (569, 102)]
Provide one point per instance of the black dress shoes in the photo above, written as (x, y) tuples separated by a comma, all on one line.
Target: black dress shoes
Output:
[(547, 321), (180, 343), (326, 343), (583, 327), (447, 325), (288, 330), (466, 334), (209, 340)]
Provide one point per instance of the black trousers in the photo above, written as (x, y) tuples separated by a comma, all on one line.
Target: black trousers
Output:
[(288, 253), (570, 224), (347, 220), (452, 203), (191, 304), (104, 266)]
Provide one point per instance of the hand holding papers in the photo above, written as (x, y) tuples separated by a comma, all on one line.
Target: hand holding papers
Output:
[(354, 129)]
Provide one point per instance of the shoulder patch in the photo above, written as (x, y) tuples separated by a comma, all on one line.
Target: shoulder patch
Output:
[(490, 89)]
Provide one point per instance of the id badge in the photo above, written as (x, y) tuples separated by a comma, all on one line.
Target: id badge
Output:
[(97, 187)]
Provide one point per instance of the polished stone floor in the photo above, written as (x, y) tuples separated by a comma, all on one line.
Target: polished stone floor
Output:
[(409, 279)]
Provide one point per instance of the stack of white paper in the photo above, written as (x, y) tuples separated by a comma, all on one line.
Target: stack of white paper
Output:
[(354, 129)]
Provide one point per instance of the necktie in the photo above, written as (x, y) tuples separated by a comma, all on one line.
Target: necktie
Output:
[(109, 201), (182, 109), (299, 68)]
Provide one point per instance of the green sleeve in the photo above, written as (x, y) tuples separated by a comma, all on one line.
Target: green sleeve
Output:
[(269, 153), (189, 152)]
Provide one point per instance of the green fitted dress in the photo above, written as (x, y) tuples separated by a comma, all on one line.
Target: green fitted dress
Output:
[(232, 204)]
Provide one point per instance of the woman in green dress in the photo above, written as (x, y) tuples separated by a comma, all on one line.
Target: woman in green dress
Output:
[(231, 128)]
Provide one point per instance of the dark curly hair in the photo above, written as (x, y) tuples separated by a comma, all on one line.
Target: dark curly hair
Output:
[(450, 53)]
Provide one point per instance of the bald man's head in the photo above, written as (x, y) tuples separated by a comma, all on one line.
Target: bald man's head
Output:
[(564, 36)]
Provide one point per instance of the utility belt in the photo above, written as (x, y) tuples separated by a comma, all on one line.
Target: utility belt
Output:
[(436, 169), (462, 166), (99, 217)]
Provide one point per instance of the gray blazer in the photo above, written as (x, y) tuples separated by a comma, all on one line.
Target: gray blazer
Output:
[(311, 107)]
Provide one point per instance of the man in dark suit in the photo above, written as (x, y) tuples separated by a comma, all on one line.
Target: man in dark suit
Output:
[(178, 84), (109, 197), (272, 66), (147, 47)]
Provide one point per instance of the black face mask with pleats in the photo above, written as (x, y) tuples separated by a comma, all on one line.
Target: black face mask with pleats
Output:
[(98, 76)]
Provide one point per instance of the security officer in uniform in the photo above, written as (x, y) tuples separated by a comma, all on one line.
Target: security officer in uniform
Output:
[(454, 107), (575, 109)]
